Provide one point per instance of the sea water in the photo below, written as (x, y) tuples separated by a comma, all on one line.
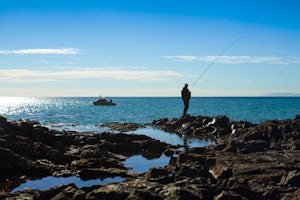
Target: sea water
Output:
[(80, 110)]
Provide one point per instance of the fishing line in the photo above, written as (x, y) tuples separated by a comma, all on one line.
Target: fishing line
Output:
[(216, 58)]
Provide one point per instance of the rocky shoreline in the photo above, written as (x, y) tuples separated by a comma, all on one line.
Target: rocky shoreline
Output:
[(249, 161)]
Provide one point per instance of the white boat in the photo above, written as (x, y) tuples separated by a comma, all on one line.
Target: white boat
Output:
[(103, 102)]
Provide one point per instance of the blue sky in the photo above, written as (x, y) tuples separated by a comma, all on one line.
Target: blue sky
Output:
[(149, 48)]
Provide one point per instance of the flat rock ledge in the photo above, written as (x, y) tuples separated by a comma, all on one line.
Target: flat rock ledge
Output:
[(121, 126), (249, 161)]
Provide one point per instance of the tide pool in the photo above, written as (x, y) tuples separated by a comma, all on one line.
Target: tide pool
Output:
[(51, 181)]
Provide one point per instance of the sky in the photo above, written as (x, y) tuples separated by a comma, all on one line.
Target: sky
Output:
[(149, 48)]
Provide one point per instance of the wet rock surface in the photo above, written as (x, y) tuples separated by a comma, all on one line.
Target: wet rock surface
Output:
[(121, 126), (249, 161)]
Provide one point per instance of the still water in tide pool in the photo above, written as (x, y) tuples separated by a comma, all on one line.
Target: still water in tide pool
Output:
[(137, 164), (51, 181)]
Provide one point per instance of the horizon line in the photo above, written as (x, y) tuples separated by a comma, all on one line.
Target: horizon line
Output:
[(229, 96)]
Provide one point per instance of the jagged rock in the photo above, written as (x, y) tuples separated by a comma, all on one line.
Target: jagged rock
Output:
[(39, 133), (121, 126), (3, 195), (26, 194), (102, 172), (40, 168), (253, 146), (96, 163), (11, 163), (159, 175), (3, 121), (229, 195), (203, 127), (108, 192), (153, 146), (249, 161), (291, 178), (92, 151), (69, 191)]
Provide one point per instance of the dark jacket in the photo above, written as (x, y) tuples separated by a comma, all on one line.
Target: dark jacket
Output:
[(185, 94)]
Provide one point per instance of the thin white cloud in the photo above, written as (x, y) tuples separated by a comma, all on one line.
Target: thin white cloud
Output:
[(181, 58), (237, 59), (37, 91), (22, 76), (294, 59), (244, 59), (63, 51)]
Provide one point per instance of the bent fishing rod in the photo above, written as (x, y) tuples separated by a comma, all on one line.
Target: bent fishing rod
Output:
[(216, 58)]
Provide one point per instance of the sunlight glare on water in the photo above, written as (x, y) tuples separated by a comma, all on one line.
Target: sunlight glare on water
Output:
[(17, 105)]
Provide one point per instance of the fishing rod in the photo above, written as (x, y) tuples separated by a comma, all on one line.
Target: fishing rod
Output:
[(216, 58)]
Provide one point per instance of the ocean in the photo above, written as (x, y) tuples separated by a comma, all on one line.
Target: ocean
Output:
[(80, 112)]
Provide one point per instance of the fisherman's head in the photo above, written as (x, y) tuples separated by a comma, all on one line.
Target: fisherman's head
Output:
[(186, 85)]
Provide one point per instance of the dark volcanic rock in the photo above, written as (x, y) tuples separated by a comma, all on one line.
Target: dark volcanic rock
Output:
[(3, 121), (121, 126), (101, 173), (11, 163), (249, 161), (202, 127)]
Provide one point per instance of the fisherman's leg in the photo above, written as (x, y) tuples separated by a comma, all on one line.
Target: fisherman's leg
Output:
[(186, 107), (184, 111)]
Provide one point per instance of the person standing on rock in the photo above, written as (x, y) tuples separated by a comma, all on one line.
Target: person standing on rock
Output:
[(185, 95)]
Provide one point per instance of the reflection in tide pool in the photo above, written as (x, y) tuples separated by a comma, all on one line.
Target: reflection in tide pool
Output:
[(150, 131), (171, 138), (50, 182), (140, 164)]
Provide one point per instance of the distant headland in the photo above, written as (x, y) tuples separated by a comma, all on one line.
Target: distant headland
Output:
[(283, 95)]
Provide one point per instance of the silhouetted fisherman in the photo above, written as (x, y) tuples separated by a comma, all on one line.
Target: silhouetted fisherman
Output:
[(185, 95)]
